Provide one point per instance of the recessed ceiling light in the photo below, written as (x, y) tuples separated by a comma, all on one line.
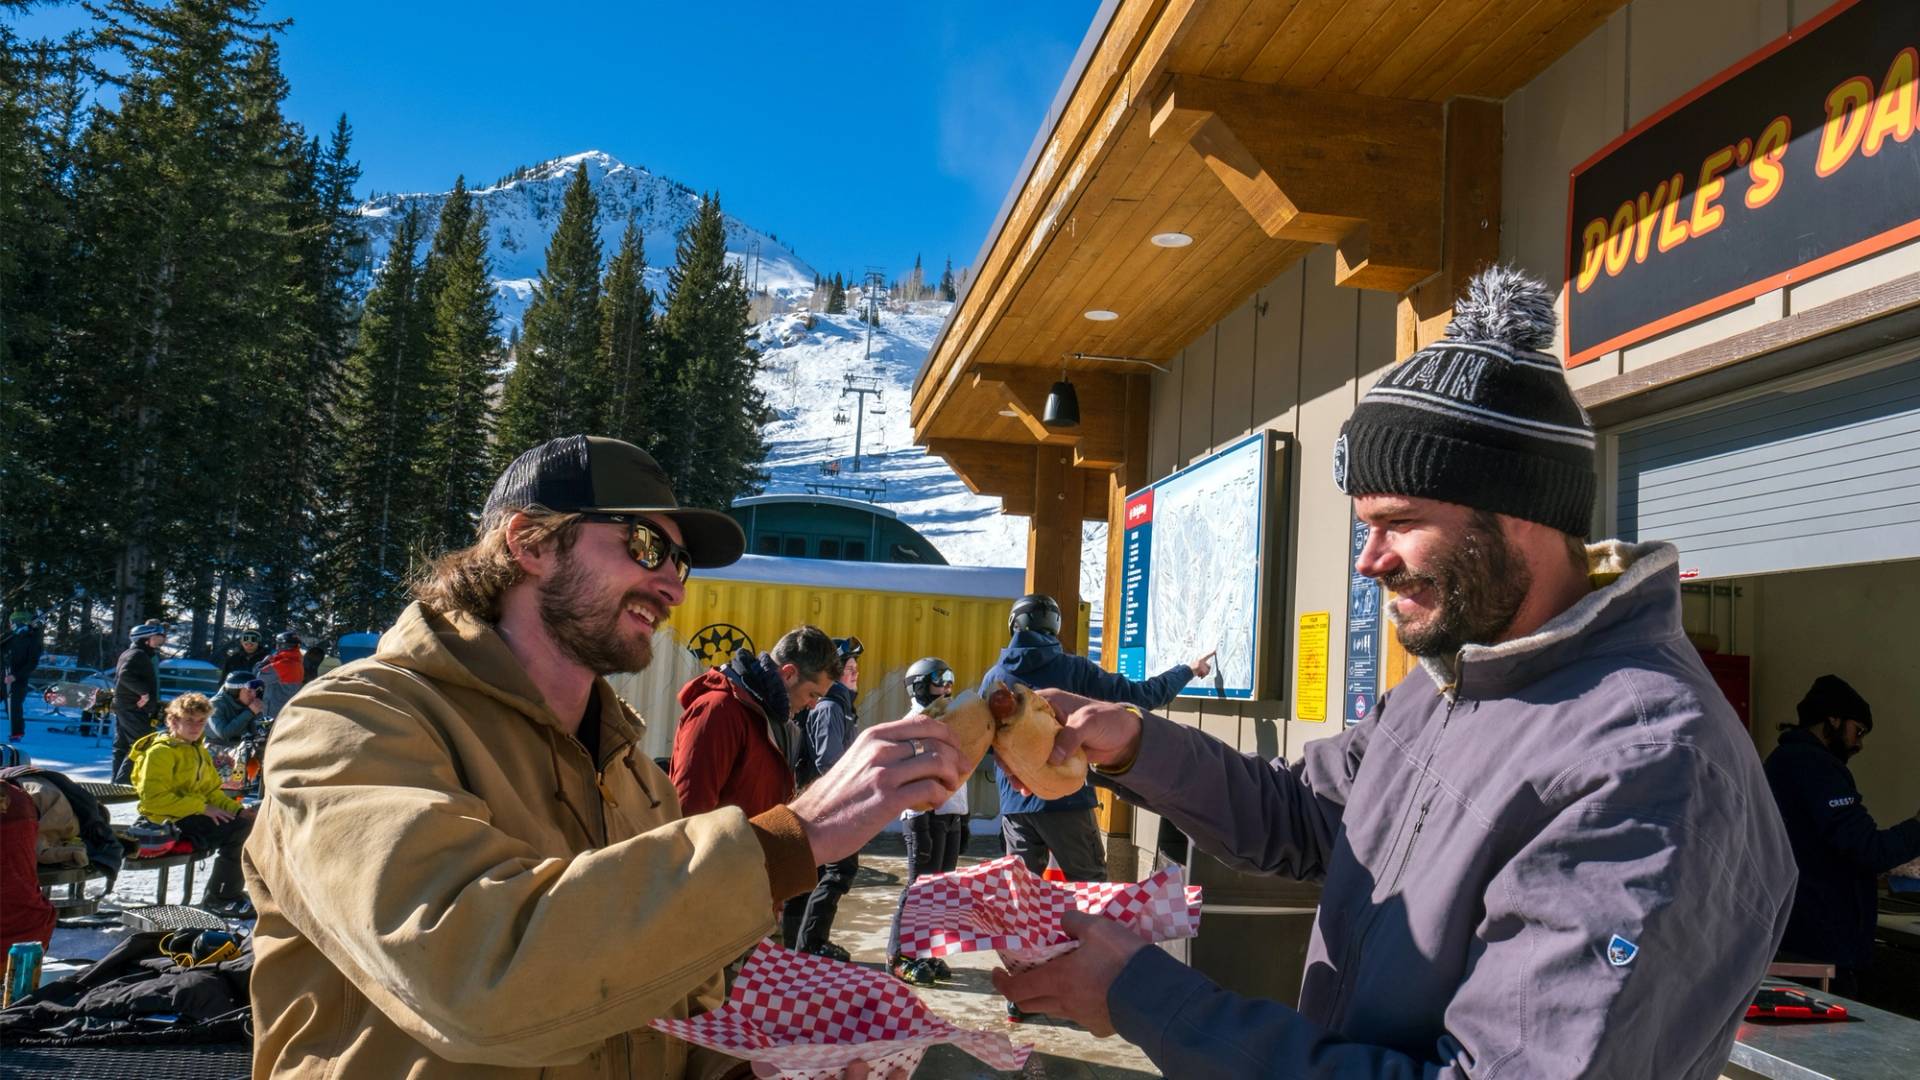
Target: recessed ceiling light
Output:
[(1171, 239), (1102, 315), (1010, 413)]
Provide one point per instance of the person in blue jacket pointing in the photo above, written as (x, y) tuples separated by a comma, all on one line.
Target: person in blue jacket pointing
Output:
[(1033, 827)]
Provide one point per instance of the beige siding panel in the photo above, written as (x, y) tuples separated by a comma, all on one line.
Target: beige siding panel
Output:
[(1553, 124), (1676, 47), (1276, 374), (1328, 361), (1233, 375), (1163, 438), (1868, 272), (1604, 366), (1196, 397), (1378, 314), (1220, 720), (1759, 311)]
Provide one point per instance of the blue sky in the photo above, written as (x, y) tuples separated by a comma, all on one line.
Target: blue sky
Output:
[(861, 135)]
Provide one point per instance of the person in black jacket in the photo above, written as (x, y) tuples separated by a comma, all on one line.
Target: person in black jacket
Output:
[(1840, 850), (826, 730), (1033, 827), (245, 655), (136, 695), (21, 655)]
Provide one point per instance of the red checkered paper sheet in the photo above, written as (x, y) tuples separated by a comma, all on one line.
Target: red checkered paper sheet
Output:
[(811, 1017), (1005, 907)]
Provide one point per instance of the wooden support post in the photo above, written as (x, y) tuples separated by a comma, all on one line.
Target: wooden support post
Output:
[(1053, 537), (1471, 236)]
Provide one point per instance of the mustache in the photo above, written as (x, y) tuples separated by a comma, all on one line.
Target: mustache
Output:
[(1400, 580)]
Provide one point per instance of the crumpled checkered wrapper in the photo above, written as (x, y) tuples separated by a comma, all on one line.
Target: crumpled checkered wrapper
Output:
[(811, 1017), (1001, 905)]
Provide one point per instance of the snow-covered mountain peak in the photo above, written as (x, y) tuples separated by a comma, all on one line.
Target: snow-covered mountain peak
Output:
[(523, 209)]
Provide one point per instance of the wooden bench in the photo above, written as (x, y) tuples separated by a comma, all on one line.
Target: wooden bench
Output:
[(76, 903), (165, 864)]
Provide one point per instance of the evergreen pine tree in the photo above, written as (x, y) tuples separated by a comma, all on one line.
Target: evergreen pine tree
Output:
[(465, 365), (946, 282), (183, 195), (637, 390), (552, 390), (837, 297), (714, 447), (385, 408)]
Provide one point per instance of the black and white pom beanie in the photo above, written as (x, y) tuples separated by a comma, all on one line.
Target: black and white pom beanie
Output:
[(1481, 417)]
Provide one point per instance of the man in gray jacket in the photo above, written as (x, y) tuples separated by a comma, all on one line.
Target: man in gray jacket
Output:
[(1550, 852)]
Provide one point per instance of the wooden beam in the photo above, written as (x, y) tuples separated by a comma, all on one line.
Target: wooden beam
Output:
[(1472, 234), (1096, 443), (987, 468), (1361, 173), (1053, 537), (1025, 392)]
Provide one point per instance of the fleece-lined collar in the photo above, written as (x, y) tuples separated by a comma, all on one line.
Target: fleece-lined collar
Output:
[(1638, 605)]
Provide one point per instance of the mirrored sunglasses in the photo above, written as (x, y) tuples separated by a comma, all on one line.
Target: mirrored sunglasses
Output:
[(650, 547)]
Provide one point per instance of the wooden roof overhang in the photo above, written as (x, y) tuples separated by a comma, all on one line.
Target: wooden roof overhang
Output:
[(1260, 129)]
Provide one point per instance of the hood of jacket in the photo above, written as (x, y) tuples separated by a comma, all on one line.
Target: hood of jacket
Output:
[(1029, 652), (759, 677)]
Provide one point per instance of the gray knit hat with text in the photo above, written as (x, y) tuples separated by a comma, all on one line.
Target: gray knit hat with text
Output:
[(1482, 418)]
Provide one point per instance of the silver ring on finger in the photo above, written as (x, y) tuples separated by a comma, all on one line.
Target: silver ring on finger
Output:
[(917, 748)]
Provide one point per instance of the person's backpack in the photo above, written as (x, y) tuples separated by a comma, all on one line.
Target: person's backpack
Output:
[(800, 753)]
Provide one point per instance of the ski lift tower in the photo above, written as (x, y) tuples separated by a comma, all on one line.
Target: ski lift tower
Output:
[(861, 387), (876, 280)]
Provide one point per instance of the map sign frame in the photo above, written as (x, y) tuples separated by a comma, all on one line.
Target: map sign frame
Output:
[(1198, 555)]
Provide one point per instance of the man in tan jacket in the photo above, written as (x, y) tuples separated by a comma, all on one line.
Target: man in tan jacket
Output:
[(464, 867)]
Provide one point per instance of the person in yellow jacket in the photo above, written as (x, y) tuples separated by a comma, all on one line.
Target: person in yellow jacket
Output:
[(178, 783), (464, 865)]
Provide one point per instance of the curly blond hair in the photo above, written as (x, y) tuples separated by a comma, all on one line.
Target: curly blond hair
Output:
[(187, 707)]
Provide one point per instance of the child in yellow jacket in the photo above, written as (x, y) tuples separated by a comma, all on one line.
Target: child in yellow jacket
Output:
[(178, 783)]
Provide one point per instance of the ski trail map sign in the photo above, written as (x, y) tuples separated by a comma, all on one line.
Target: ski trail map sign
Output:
[(1196, 571)]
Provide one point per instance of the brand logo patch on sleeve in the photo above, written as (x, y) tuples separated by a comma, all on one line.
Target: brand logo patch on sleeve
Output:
[(1847, 800), (1620, 951)]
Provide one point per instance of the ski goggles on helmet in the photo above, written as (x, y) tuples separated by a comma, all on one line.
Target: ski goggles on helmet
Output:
[(649, 547), (848, 647)]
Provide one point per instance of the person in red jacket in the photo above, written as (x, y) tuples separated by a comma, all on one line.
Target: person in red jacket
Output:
[(25, 915), (734, 742)]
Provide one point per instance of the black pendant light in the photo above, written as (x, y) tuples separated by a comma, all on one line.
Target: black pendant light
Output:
[(1063, 405)]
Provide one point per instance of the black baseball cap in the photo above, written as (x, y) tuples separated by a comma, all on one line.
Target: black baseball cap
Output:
[(587, 474)]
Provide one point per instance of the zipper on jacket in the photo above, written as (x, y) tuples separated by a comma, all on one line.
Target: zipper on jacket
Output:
[(1360, 935), (1406, 856)]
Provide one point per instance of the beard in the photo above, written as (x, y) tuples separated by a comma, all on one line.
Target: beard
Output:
[(1479, 584), (584, 620)]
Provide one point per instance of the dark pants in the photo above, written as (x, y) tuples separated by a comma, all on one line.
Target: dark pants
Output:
[(806, 922), (17, 707), (1070, 835), (948, 833), (223, 838), (129, 727), (934, 843)]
